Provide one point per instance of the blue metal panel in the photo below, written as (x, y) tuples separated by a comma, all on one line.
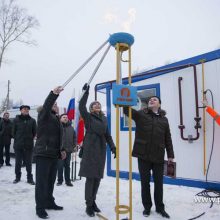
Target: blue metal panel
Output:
[(156, 86), (124, 95)]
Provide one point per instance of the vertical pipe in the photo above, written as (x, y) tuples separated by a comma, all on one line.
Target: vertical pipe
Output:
[(130, 141), (204, 118), (117, 133), (196, 91)]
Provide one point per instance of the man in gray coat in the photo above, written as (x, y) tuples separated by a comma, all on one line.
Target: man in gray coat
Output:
[(94, 149), (69, 144)]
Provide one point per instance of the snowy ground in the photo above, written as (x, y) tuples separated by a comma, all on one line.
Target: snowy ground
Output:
[(17, 200)]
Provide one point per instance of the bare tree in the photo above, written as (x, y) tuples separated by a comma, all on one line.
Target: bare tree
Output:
[(10, 104), (4, 106), (15, 26)]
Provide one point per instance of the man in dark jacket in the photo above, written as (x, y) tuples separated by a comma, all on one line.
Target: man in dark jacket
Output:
[(94, 154), (24, 131), (152, 137), (69, 144), (5, 139), (47, 151)]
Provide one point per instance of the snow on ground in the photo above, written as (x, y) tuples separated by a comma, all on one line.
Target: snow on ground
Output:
[(17, 200)]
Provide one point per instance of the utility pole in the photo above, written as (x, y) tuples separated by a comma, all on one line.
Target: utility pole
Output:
[(7, 98)]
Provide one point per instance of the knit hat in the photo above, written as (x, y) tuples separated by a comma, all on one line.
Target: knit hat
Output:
[(93, 103), (25, 106), (148, 98), (63, 115)]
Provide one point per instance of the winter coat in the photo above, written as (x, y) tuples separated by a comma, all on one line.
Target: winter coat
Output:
[(69, 137), (94, 144), (5, 132), (152, 135), (23, 132), (49, 130)]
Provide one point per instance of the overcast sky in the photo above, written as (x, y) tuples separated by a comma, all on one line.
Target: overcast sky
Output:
[(70, 31)]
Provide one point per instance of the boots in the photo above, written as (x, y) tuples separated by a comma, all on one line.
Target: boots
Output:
[(16, 180), (95, 207), (54, 207), (90, 211), (31, 181), (146, 212), (163, 213), (41, 213)]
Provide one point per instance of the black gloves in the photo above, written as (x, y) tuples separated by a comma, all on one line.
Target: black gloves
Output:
[(114, 151), (86, 87)]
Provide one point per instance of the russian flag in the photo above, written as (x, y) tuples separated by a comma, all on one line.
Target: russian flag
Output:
[(79, 127), (71, 109), (80, 131)]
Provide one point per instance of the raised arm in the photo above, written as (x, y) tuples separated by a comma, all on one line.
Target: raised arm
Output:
[(134, 113), (82, 103), (49, 102)]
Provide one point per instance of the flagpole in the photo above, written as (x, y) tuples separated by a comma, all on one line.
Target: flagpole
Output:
[(76, 130), (72, 124), (72, 168)]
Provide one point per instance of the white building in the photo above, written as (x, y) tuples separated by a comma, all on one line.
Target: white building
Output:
[(181, 80)]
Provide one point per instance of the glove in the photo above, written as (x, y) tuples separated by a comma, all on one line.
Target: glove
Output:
[(114, 152), (86, 87)]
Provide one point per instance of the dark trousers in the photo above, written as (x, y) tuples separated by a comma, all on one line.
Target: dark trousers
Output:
[(64, 165), (145, 175), (7, 153), (46, 170), (91, 189), (27, 154)]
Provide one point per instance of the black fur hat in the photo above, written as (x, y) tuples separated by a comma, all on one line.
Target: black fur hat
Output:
[(25, 106)]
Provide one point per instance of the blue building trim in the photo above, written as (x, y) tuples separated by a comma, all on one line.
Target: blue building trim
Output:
[(150, 86), (108, 104), (168, 180), (178, 181), (210, 56)]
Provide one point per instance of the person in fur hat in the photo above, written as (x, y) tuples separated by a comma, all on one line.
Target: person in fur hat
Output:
[(152, 138)]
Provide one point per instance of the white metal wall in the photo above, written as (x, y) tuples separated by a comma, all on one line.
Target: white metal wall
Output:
[(189, 156)]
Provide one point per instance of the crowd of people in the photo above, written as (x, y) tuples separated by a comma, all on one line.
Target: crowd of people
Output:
[(56, 140)]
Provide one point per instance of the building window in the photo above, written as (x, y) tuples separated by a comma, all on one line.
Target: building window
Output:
[(143, 92)]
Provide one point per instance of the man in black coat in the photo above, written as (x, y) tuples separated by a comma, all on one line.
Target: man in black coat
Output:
[(47, 152), (23, 132), (152, 137), (5, 139)]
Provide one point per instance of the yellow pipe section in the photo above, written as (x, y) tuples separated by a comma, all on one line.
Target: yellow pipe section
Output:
[(123, 209), (130, 141), (117, 133)]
